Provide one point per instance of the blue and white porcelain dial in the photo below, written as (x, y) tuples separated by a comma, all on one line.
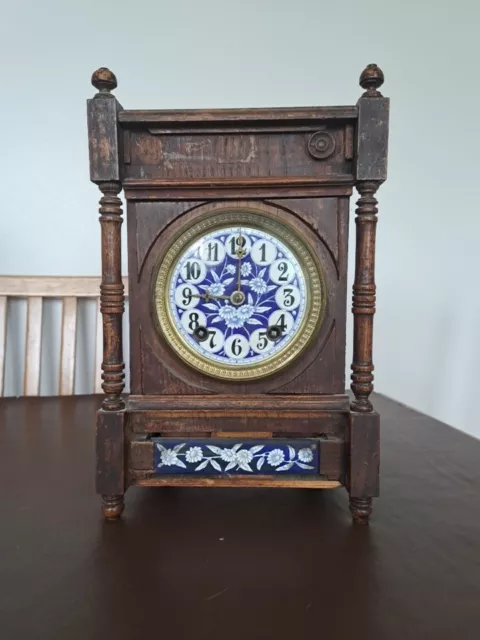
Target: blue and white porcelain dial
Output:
[(235, 295)]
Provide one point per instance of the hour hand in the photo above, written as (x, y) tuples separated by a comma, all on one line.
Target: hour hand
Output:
[(209, 296)]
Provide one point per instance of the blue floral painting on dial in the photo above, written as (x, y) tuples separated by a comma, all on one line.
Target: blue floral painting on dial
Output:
[(238, 295)]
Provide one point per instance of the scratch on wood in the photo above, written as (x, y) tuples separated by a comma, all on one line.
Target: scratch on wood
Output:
[(252, 154), (203, 151), (215, 595)]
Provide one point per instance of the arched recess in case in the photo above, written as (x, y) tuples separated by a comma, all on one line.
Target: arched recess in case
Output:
[(322, 325)]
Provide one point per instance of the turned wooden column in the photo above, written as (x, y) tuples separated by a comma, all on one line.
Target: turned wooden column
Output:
[(363, 308), (105, 170), (363, 303), (370, 172), (111, 296)]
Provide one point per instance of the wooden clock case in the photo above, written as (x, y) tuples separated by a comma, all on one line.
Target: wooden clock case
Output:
[(298, 165)]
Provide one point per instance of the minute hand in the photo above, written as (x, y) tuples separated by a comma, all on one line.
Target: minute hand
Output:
[(240, 254), (239, 275)]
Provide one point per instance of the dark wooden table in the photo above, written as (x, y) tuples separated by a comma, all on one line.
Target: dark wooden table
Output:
[(225, 563)]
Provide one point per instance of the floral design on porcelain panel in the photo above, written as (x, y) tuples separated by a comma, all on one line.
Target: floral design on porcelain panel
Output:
[(223, 456)]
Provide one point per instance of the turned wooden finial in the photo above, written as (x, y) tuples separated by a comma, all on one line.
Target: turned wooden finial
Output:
[(371, 79), (104, 80)]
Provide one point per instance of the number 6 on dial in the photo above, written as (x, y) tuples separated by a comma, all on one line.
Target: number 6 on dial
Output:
[(237, 346)]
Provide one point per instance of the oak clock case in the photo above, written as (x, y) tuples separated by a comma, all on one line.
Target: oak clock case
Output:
[(237, 229)]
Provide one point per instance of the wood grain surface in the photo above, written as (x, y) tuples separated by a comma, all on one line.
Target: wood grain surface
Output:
[(206, 562)]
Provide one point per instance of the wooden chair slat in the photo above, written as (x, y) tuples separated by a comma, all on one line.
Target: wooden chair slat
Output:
[(67, 348), (68, 289), (52, 286), (3, 335), (31, 377), (97, 382)]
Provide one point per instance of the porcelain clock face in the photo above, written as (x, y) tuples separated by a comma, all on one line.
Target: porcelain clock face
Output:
[(238, 295)]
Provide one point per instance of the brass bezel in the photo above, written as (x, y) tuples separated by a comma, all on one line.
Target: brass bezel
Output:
[(315, 290)]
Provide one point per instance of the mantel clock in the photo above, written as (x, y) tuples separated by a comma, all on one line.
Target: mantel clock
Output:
[(237, 227)]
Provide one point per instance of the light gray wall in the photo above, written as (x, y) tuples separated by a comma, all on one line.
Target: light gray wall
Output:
[(260, 53)]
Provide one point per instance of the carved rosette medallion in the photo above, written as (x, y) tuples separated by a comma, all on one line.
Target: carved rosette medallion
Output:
[(321, 145)]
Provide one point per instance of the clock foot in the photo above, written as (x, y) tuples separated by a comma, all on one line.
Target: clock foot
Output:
[(112, 506), (361, 509)]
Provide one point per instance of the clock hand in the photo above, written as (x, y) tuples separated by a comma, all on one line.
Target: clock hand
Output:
[(209, 296), (236, 298), (239, 253), (239, 275)]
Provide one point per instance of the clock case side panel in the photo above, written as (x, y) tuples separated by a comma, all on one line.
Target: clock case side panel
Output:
[(156, 370), (331, 224), (145, 222)]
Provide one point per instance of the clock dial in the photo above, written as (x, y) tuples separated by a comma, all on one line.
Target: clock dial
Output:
[(238, 295)]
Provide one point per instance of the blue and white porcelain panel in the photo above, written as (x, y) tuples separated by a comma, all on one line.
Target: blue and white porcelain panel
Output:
[(269, 276), (208, 456)]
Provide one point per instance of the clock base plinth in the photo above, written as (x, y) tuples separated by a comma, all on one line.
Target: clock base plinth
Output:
[(313, 442)]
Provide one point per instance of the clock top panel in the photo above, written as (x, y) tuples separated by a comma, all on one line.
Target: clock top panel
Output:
[(308, 153), (227, 144), (308, 146)]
